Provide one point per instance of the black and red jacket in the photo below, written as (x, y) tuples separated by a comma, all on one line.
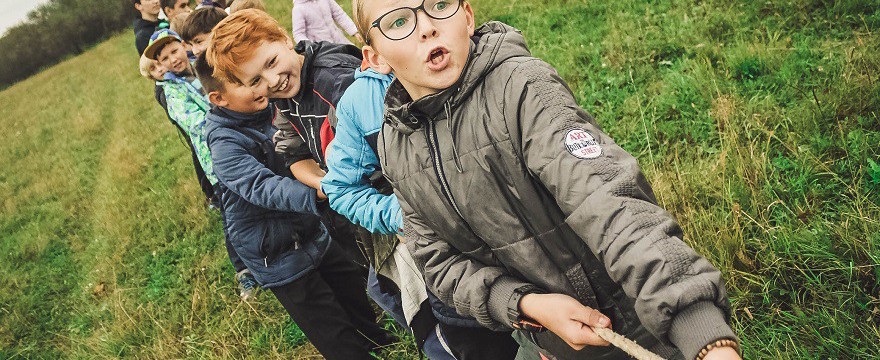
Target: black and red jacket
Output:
[(307, 121)]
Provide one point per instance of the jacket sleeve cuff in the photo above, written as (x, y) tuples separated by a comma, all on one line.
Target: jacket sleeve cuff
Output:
[(397, 224), (697, 326), (500, 296)]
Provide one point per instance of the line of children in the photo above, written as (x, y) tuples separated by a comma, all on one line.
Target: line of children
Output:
[(187, 107), (274, 220), (566, 235), (306, 83), (144, 27), (567, 238), (315, 76)]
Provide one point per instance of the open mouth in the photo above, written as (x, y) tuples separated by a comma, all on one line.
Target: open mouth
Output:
[(438, 58)]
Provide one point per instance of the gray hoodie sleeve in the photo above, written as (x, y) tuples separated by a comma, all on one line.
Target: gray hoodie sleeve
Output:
[(478, 285), (679, 296)]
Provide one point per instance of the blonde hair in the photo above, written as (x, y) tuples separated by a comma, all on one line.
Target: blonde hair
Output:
[(236, 37), (179, 21), (146, 65), (360, 19), (247, 4)]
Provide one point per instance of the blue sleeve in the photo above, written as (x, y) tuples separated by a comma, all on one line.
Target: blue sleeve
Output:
[(350, 163), (253, 181)]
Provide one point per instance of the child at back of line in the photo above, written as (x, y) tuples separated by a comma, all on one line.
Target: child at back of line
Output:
[(564, 233), (151, 69), (178, 21), (172, 8), (196, 31), (147, 23), (317, 20)]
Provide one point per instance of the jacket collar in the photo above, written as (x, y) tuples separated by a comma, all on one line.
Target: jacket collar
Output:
[(321, 54), (234, 118)]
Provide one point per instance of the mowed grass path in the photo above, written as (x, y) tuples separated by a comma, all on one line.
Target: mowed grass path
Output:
[(758, 124)]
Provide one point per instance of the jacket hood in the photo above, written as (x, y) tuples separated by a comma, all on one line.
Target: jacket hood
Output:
[(222, 117), (370, 73), (492, 44), (322, 54)]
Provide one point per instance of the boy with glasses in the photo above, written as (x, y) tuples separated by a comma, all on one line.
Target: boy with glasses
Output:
[(524, 214)]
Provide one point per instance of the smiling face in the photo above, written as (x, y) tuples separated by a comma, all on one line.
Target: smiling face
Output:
[(273, 70), (157, 71), (240, 98), (430, 59), (173, 57), (200, 42)]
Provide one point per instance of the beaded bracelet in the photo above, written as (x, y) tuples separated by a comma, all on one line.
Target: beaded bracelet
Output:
[(717, 344)]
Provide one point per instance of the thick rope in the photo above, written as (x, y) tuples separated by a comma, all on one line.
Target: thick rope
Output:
[(627, 345)]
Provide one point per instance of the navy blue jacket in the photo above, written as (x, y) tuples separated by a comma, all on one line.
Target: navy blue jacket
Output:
[(272, 219), (307, 119)]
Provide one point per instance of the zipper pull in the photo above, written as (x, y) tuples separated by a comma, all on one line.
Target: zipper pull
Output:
[(266, 261), (296, 245)]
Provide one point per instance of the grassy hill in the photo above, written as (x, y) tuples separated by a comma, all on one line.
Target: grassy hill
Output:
[(757, 122)]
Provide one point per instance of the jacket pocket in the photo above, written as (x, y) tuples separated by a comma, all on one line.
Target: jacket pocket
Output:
[(279, 237)]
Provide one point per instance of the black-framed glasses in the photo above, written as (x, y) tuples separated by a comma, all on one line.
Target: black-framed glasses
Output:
[(399, 23)]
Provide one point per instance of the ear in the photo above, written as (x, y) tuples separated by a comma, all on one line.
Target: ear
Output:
[(138, 7), (376, 61), (216, 98), (469, 16)]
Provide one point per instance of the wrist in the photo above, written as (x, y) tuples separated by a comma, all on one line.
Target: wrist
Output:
[(720, 349), (522, 304), (527, 303)]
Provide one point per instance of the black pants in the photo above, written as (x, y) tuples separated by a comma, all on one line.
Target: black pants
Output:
[(478, 343), (330, 306)]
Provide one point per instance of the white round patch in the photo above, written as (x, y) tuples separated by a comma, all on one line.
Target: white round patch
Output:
[(581, 144)]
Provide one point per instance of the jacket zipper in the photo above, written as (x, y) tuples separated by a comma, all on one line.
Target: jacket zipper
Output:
[(431, 135), (310, 134)]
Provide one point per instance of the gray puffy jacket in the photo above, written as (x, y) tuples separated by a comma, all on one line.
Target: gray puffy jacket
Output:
[(505, 182)]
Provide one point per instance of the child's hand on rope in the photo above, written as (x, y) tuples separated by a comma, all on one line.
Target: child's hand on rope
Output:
[(566, 317)]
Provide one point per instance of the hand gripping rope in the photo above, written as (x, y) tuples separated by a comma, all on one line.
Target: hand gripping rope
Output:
[(628, 346)]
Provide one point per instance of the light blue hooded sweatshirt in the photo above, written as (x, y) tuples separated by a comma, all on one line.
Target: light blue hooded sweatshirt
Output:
[(352, 156)]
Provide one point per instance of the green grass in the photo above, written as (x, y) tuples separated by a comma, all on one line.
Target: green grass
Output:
[(758, 124)]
